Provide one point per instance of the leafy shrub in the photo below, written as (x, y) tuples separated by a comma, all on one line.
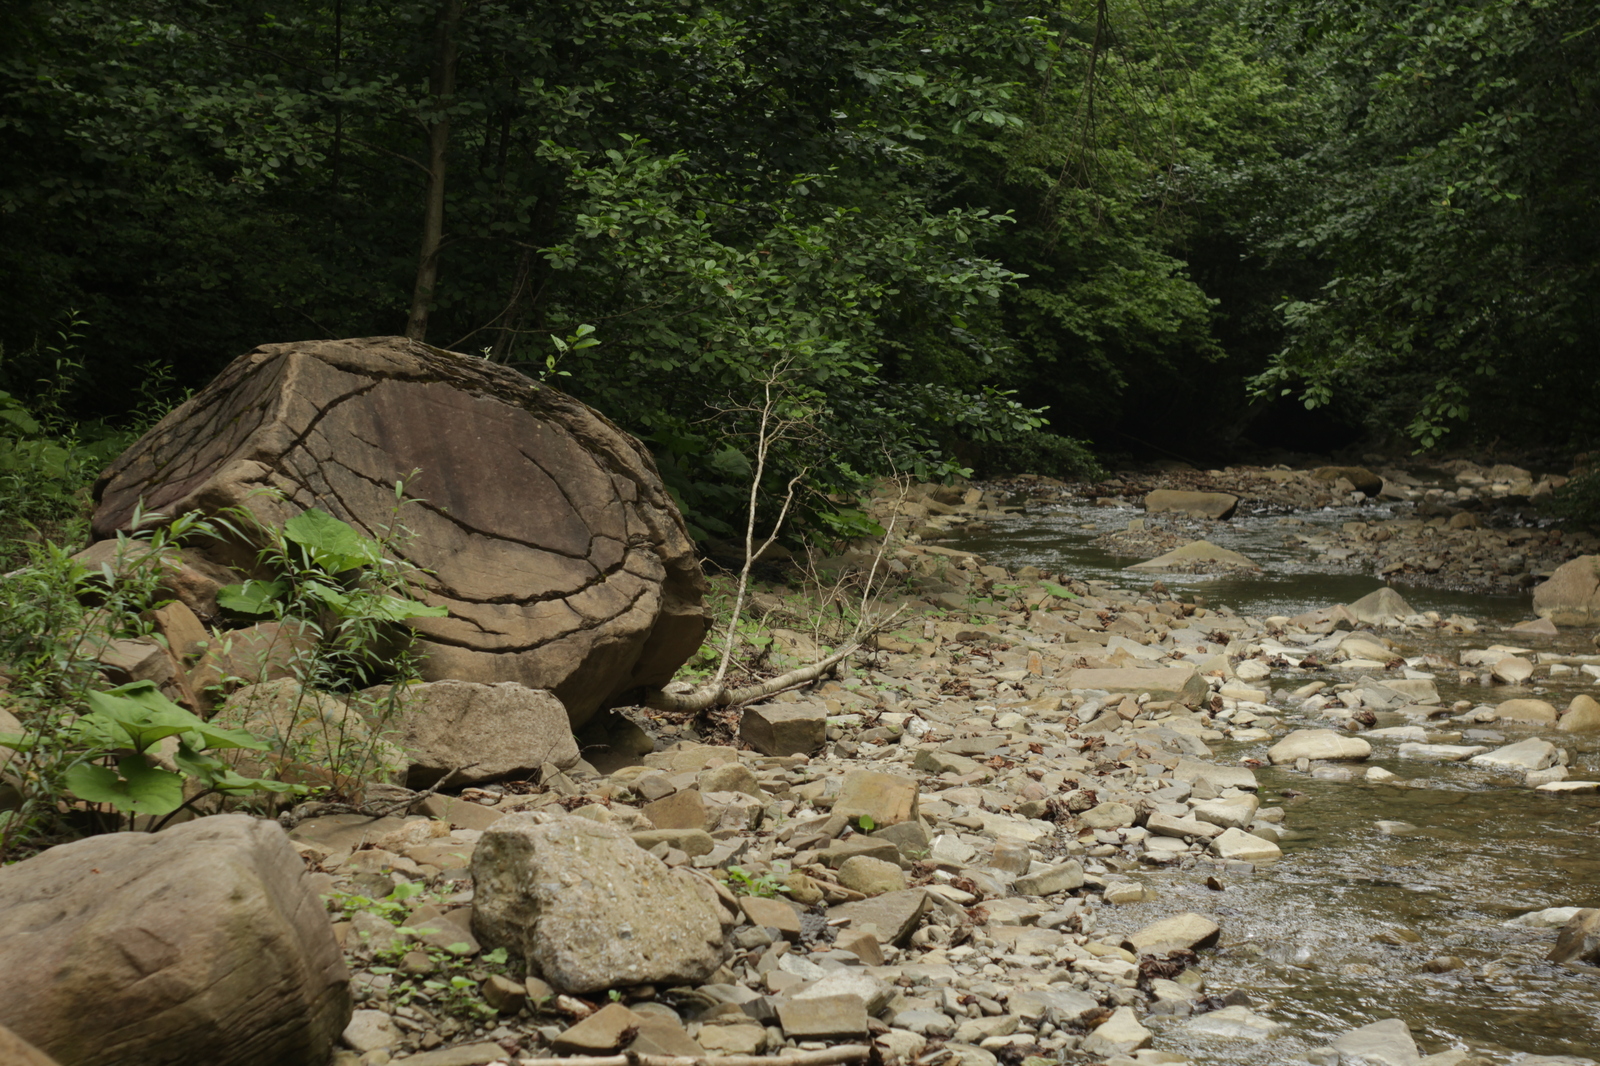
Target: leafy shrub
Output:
[(87, 757)]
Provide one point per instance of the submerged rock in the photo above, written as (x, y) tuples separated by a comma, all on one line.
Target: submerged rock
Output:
[(1385, 1043), (1199, 557)]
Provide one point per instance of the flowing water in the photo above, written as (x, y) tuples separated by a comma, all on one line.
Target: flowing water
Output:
[(1335, 934)]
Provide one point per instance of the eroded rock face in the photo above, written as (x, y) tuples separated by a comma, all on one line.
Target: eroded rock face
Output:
[(203, 943), (542, 527)]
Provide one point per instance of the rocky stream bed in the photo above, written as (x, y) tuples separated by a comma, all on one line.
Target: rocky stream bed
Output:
[(1316, 787), (1063, 813)]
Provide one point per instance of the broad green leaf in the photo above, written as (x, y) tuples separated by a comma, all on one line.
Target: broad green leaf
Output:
[(251, 597), (333, 545), (211, 772), (145, 716), (1058, 591), (134, 719), (396, 609), (134, 787)]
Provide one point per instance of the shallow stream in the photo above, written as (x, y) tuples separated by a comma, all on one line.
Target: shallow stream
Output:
[(1336, 934)]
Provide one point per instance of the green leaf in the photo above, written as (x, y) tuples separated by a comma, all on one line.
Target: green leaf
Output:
[(397, 609), (134, 787), (251, 597), (18, 741), (331, 545), (1058, 591), (137, 715)]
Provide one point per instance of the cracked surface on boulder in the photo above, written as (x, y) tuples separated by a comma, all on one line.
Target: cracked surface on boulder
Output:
[(543, 527)]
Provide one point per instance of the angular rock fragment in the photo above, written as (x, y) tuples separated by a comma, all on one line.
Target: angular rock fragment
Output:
[(1190, 931), (887, 799), (892, 916), (588, 908), (784, 728), (1385, 1043), (1182, 684), (1381, 607), (1247, 847), (1530, 754), (1203, 504)]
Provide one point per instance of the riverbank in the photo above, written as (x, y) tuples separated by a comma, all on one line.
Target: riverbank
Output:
[(1034, 823)]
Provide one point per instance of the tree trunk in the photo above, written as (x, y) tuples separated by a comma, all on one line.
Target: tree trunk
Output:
[(441, 88)]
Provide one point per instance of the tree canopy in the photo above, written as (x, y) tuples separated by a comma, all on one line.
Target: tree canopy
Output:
[(960, 232)]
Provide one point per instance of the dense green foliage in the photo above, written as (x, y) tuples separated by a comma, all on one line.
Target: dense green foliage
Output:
[(1446, 197), (929, 221), (87, 758)]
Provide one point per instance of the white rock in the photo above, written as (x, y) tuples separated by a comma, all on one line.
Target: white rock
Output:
[(1575, 788), (1530, 754), (1441, 752), (1513, 670), (1237, 844), (1549, 918), (1120, 1033), (1385, 1043), (1252, 670), (1234, 1023), (370, 1030), (1318, 745), (1234, 812)]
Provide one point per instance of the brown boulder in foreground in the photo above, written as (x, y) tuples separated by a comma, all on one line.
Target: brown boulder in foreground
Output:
[(543, 528), (203, 943)]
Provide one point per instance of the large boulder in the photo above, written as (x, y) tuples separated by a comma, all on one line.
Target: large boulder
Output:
[(1572, 595), (543, 528), (203, 943), (588, 908)]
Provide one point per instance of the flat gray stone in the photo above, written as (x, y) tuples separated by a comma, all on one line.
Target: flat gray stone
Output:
[(1385, 1043)]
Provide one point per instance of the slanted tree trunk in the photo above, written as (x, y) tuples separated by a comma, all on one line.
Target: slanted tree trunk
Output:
[(441, 90)]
